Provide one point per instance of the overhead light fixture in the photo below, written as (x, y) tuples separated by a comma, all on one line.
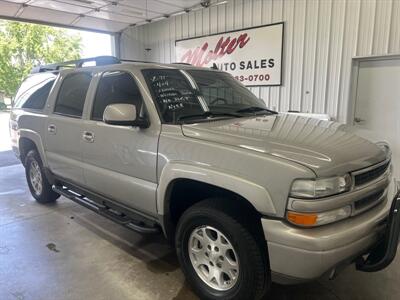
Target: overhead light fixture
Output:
[(180, 13), (219, 3), (159, 18), (208, 3)]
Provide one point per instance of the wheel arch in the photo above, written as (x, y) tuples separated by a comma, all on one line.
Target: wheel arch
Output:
[(29, 140), (199, 183)]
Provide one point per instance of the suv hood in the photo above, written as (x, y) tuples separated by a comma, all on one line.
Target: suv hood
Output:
[(328, 148)]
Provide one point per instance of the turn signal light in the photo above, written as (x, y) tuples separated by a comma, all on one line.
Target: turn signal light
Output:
[(302, 219), (317, 219)]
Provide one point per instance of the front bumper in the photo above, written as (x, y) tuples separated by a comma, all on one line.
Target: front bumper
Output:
[(298, 254), (382, 255)]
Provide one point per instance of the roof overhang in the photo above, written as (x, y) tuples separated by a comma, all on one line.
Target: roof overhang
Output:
[(106, 16)]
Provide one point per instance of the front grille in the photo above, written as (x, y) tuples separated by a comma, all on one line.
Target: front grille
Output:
[(370, 175), (368, 201)]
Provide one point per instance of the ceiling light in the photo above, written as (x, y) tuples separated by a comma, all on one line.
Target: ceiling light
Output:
[(179, 13), (219, 3), (158, 18)]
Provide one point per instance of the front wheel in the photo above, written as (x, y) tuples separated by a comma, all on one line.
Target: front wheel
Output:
[(39, 186), (220, 256)]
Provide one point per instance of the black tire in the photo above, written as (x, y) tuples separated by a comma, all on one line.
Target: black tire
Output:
[(253, 281), (45, 194)]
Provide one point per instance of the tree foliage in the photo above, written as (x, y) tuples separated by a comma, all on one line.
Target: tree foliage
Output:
[(23, 46)]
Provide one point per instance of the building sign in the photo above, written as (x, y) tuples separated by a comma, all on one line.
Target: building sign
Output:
[(252, 55)]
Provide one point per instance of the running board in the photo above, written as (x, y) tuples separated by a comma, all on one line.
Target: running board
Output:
[(105, 211)]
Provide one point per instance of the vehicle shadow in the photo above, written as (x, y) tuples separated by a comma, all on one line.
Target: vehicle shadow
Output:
[(159, 258)]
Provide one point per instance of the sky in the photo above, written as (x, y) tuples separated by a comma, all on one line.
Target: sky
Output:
[(94, 44)]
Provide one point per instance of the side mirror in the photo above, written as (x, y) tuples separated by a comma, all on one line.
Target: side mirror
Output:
[(123, 114)]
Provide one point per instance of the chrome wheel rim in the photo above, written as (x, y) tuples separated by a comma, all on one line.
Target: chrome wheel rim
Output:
[(35, 176), (213, 258)]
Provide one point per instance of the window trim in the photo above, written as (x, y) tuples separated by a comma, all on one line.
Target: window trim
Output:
[(98, 85), (59, 90), (45, 102)]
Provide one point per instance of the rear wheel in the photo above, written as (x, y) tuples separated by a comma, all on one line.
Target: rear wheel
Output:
[(39, 186), (220, 256)]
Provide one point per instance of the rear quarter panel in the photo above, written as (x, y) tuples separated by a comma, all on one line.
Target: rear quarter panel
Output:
[(28, 124)]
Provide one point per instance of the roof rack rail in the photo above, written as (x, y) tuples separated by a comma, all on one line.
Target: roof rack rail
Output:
[(181, 63), (99, 60), (138, 61)]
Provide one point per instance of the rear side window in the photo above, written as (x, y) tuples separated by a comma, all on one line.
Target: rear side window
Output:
[(72, 94), (34, 91), (115, 87)]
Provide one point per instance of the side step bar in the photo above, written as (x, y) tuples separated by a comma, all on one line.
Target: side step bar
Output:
[(105, 211)]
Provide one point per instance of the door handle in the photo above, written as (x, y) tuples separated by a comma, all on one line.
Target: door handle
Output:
[(88, 136), (52, 129)]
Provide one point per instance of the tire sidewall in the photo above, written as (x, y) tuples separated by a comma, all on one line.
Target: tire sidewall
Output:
[(33, 156), (242, 288)]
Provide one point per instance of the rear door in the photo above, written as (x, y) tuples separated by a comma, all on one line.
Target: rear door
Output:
[(64, 128), (120, 161)]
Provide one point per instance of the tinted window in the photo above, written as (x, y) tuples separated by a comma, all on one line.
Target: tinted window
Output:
[(72, 94), (175, 96), (34, 91), (115, 87)]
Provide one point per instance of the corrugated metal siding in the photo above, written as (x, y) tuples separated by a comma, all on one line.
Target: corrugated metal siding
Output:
[(321, 37)]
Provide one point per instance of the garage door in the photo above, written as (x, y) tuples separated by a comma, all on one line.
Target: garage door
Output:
[(378, 102)]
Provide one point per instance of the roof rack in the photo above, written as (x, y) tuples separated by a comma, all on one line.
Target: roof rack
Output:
[(181, 63), (79, 63), (99, 60), (138, 61)]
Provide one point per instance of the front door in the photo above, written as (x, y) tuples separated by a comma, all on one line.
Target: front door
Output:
[(120, 161), (63, 141), (378, 102)]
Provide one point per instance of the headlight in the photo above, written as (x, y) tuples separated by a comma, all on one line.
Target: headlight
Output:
[(318, 219), (320, 187)]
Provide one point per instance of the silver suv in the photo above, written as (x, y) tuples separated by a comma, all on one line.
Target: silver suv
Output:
[(246, 195)]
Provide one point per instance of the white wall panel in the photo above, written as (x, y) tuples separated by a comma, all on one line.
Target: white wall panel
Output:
[(321, 38)]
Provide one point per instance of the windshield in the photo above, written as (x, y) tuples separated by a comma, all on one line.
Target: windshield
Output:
[(193, 95)]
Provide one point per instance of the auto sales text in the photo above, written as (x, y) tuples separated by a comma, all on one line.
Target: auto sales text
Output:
[(246, 65)]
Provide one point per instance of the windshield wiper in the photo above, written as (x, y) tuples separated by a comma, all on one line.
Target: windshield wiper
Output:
[(255, 109), (209, 114)]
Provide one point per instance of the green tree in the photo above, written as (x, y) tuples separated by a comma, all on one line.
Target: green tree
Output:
[(23, 46)]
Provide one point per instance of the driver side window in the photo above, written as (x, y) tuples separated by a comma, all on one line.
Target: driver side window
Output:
[(115, 87), (218, 90)]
